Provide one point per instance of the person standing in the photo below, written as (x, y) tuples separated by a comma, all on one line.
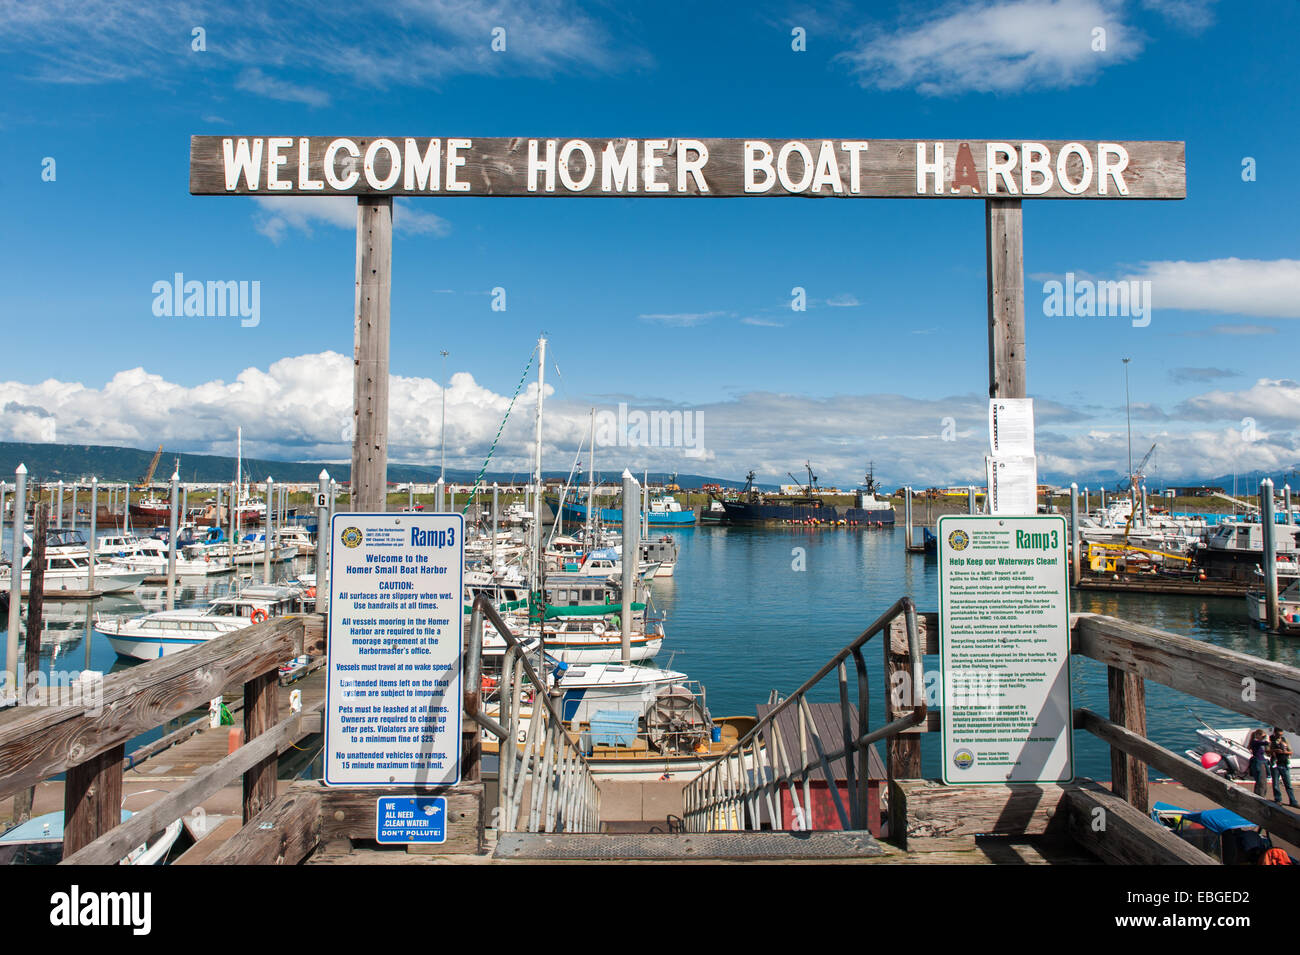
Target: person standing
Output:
[(1258, 766), (1280, 751)]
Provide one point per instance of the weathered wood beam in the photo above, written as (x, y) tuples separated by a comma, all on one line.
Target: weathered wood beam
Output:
[(284, 833), (37, 742), (1005, 245), (92, 799), (922, 809), (1250, 685), (350, 814), (1128, 708), (1272, 816), (260, 711), (370, 354), (1118, 834)]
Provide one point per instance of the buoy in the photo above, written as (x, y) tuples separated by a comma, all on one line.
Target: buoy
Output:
[(1210, 760), (259, 615)]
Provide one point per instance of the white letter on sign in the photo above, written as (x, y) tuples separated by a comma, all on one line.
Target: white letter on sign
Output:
[(1000, 169), (546, 165), (1105, 168), (924, 169), (394, 164), (454, 161), (828, 170), (618, 174), (422, 172), (783, 166), (305, 181), (855, 149), (588, 165), (240, 160), (275, 158), (331, 175), (1035, 158), (758, 158), (649, 163), (693, 166), (1062, 160)]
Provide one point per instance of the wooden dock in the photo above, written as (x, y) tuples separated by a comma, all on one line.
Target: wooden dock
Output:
[(1155, 584)]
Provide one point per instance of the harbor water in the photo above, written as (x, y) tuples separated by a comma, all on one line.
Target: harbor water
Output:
[(753, 609)]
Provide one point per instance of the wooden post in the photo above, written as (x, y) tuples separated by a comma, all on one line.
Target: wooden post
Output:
[(36, 603), (1128, 708), (370, 344), (1004, 231), (260, 710), (92, 798), (904, 750)]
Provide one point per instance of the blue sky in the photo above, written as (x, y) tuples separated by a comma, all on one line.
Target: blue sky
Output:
[(663, 305)]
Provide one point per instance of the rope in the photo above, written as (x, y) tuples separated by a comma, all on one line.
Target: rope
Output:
[(478, 481)]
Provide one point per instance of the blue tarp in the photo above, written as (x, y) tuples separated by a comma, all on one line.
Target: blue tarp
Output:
[(614, 727), (1219, 820)]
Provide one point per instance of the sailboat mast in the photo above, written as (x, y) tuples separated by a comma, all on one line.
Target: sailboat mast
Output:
[(591, 479), (538, 502)]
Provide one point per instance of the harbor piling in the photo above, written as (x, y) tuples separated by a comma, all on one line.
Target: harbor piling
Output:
[(266, 544), (15, 579), (171, 542), (74, 507), (495, 490), (322, 529), (371, 344), (971, 507), (631, 550), (1076, 540), (94, 520), (1269, 531), (907, 517), (58, 520), (1286, 502)]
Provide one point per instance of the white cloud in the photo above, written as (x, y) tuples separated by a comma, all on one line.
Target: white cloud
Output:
[(1002, 46), (679, 319), (1258, 287), (299, 408), (253, 80), (847, 300), (761, 322), (404, 43), (277, 215)]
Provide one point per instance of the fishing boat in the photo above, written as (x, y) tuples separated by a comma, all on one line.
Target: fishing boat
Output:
[(164, 632), (756, 507), (1288, 605), (664, 511), (663, 553)]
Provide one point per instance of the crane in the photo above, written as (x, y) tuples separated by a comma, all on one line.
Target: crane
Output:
[(143, 484), (1138, 472)]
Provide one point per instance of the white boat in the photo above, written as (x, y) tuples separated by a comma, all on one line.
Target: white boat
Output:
[(192, 560), (164, 632), (67, 568), (297, 536), (1288, 605), (663, 553), (39, 841), (252, 549)]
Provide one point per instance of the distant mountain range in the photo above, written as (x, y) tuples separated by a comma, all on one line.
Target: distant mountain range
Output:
[(73, 462), (70, 462)]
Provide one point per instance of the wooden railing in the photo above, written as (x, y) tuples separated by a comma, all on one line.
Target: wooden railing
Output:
[(87, 740), (1254, 687)]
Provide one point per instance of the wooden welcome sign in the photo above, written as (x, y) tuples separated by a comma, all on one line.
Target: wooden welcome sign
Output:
[(622, 168)]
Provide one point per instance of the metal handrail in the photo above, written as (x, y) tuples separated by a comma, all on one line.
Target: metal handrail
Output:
[(564, 795), (741, 782)]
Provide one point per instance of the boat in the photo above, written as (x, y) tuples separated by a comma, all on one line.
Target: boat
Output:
[(150, 555), (165, 632), (664, 511), (756, 507), (1234, 550), (68, 568), (1288, 605), (663, 553), (39, 841)]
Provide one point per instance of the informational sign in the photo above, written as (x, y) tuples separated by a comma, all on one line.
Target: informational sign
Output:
[(1011, 465), (1004, 645), (393, 699), (406, 820), (663, 168)]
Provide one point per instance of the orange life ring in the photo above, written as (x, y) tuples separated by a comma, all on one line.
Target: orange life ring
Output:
[(259, 615), (487, 684), (311, 591)]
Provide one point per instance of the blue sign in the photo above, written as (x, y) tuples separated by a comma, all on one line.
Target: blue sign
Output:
[(402, 820)]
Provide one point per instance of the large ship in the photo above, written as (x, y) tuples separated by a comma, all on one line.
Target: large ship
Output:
[(752, 506)]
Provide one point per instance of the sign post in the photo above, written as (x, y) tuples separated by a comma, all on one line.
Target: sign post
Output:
[(1004, 642), (393, 698)]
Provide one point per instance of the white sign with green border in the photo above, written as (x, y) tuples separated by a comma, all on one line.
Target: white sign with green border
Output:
[(1004, 645)]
